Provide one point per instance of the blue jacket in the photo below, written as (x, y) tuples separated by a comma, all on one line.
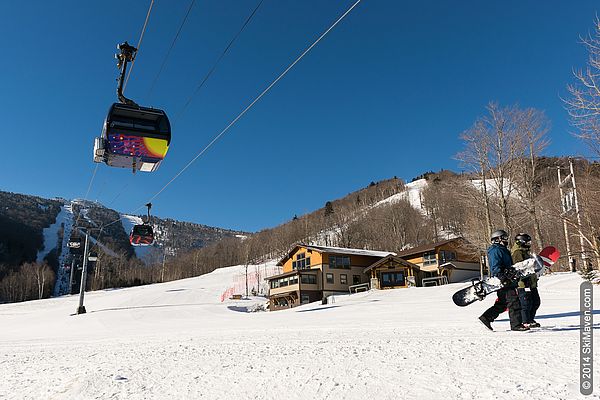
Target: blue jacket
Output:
[(499, 258)]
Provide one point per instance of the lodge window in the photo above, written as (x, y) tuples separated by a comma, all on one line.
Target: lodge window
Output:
[(329, 277), (301, 262), (310, 279), (393, 279), (344, 279), (305, 299), (281, 282), (429, 258), (446, 256), (339, 262), (355, 279)]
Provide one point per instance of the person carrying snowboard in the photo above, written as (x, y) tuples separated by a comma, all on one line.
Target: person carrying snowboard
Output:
[(500, 263), (527, 287)]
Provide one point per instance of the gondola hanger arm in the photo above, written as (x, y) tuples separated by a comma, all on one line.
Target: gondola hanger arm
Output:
[(126, 54)]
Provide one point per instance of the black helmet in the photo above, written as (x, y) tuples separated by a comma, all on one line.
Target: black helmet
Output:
[(523, 239), (500, 236)]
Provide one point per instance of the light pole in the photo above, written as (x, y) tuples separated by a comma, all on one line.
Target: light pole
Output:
[(81, 308), (71, 275)]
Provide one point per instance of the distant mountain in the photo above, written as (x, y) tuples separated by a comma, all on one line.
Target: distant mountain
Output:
[(34, 229)]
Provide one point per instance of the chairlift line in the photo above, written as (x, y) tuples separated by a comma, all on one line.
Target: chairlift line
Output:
[(212, 69), (124, 86), (217, 137), (162, 66), (139, 44), (256, 99)]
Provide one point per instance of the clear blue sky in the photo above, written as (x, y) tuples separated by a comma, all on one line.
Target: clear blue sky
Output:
[(385, 94)]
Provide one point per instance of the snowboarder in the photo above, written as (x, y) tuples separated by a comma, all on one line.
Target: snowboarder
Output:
[(527, 287), (500, 263)]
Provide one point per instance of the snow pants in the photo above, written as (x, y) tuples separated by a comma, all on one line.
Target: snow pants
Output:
[(507, 298), (530, 302)]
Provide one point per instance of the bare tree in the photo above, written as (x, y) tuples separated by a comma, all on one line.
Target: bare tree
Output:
[(495, 147), (583, 104), (44, 276), (502, 125), (532, 128), (475, 158)]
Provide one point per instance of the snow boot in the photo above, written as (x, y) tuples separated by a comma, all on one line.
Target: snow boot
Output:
[(486, 323), (520, 328)]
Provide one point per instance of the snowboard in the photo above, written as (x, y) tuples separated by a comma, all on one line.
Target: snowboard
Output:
[(479, 288)]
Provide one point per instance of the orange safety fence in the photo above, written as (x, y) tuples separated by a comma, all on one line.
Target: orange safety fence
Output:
[(256, 280)]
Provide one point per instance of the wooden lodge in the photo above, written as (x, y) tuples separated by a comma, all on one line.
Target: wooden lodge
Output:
[(446, 261), (312, 273)]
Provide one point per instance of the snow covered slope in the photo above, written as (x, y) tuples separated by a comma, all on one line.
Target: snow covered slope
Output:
[(64, 220), (176, 340), (411, 193)]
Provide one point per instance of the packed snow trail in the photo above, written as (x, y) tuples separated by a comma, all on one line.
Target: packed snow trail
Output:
[(177, 340), (64, 220)]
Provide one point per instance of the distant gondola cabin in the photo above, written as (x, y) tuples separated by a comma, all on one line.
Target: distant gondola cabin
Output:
[(141, 235)]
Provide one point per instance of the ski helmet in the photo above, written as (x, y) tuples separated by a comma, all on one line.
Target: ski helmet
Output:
[(523, 239), (500, 236)]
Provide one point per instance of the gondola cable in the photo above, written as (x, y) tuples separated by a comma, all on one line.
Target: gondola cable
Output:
[(125, 84), (164, 62), (217, 137), (206, 77), (214, 66), (87, 192), (254, 101), (139, 44), (120, 191)]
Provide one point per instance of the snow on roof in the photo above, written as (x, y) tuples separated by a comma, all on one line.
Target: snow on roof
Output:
[(427, 247), (337, 250), (344, 250)]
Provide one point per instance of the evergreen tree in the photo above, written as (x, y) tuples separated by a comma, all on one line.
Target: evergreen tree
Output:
[(328, 209), (588, 273)]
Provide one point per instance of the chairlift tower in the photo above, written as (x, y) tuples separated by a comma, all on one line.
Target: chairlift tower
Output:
[(569, 206)]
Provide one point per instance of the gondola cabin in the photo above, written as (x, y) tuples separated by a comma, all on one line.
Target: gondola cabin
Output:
[(141, 235), (133, 137)]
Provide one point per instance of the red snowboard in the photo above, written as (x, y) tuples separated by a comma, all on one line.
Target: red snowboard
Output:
[(549, 255)]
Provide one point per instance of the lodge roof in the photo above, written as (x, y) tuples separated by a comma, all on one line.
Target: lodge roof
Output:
[(395, 258), (337, 250), (428, 247)]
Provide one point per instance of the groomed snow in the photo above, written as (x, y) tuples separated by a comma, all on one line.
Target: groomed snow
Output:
[(178, 341), (50, 233), (411, 193), (64, 219)]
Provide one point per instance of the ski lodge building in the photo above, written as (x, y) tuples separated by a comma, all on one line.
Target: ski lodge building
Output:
[(312, 273), (447, 261)]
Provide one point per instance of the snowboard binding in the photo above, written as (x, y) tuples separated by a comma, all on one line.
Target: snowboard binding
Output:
[(479, 289), (509, 275)]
